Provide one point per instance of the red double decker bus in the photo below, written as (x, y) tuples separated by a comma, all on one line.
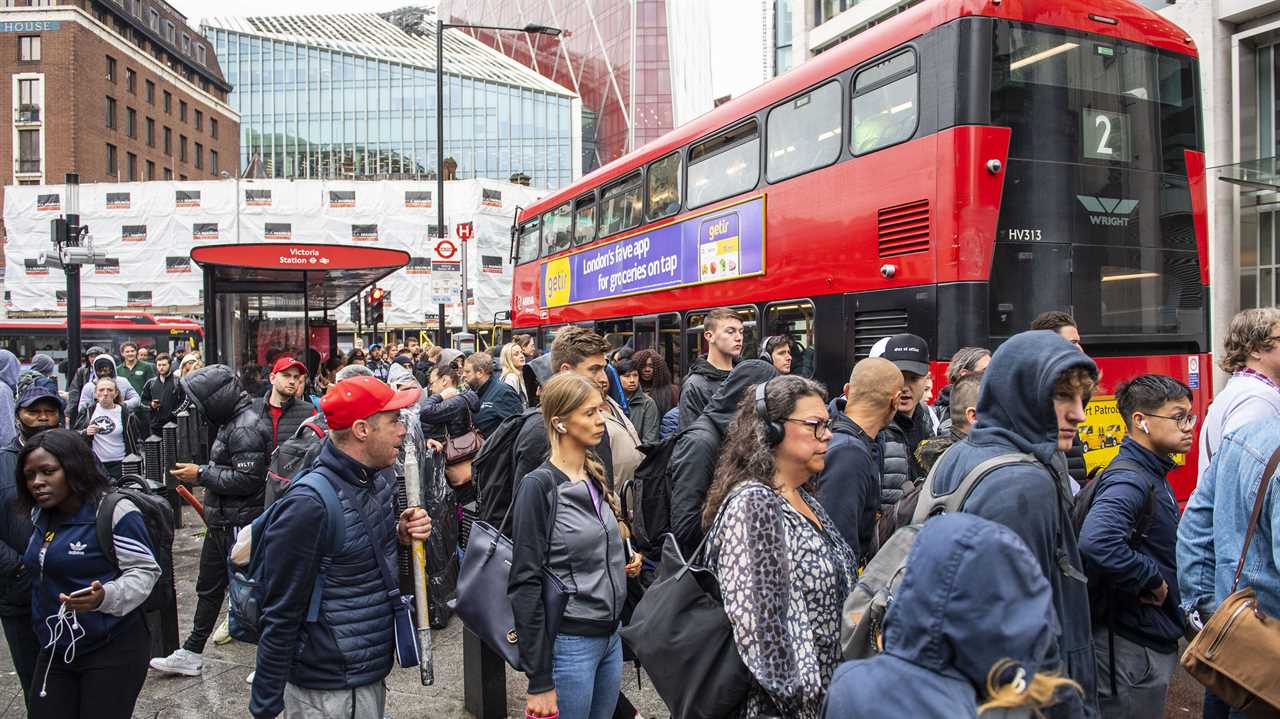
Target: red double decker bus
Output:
[(952, 172)]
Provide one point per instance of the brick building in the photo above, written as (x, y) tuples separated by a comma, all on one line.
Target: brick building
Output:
[(115, 90)]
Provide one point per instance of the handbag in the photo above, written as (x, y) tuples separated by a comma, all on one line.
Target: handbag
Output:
[(1236, 653), (483, 604), (464, 446), (683, 639)]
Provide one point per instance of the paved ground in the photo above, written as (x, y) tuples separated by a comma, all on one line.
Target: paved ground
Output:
[(222, 692)]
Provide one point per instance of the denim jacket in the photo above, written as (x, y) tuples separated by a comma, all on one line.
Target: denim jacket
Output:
[(1217, 515)]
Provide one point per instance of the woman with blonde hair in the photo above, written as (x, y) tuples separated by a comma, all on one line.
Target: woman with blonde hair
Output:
[(564, 519), (513, 360), (191, 362), (968, 633)]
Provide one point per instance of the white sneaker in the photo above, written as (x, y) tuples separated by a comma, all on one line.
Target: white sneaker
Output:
[(249, 679), (222, 635), (180, 662)]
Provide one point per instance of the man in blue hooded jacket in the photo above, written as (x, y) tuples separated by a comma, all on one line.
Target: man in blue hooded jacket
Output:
[(1032, 399)]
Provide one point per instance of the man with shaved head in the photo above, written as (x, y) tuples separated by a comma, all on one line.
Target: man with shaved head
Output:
[(849, 486)]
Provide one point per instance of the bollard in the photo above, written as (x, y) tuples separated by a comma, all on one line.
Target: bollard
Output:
[(152, 467), (131, 464), (484, 679), (182, 437)]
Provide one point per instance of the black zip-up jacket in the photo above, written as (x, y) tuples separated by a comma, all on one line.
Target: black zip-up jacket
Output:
[(849, 485), (15, 534), (703, 380), (293, 414), (555, 525), (235, 477), (169, 392), (133, 427), (440, 416), (497, 402), (693, 459)]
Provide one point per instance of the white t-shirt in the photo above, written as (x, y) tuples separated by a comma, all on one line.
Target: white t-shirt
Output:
[(108, 443)]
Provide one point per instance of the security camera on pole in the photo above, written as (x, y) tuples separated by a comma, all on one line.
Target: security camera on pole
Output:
[(72, 247)]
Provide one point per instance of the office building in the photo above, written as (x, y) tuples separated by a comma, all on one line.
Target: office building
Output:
[(353, 96), (115, 91), (641, 67)]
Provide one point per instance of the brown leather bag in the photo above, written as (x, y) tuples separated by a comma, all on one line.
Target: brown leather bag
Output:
[(465, 446), (1237, 652)]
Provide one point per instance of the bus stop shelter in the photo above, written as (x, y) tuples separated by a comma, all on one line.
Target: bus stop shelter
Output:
[(261, 300)]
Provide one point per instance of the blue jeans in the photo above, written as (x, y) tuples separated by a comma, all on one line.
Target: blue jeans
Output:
[(588, 675), (1215, 708)]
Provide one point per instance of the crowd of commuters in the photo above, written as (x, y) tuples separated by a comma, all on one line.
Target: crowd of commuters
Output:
[(1049, 590)]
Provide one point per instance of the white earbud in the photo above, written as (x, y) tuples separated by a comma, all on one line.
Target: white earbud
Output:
[(560, 428), (1145, 428)]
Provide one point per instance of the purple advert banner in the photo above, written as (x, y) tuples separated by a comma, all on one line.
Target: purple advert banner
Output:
[(723, 245)]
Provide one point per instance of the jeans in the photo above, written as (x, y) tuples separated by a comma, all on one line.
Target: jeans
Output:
[(211, 586), (588, 675), (24, 647), (1141, 677), (103, 684), (1215, 708)]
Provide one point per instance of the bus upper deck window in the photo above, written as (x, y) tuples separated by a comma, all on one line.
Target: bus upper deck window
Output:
[(664, 187), (556, 229), (885, 103), (620, 206), (584, 220), (527, 245), (725, 165)]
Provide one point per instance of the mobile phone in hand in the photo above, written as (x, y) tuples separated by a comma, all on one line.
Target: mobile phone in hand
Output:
[(81, 592)]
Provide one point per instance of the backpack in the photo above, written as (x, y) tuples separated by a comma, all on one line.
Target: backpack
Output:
[(1099, 604), (646, 497), (244, 593), (291, 457), (26, 381), (157, 515), (493, 469), (862, 618)]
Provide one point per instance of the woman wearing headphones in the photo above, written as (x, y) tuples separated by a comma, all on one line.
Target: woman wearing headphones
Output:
[(565, 519), (783, 568)]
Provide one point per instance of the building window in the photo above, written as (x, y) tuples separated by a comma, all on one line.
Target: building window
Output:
[(111, 112), (804, 133), (151, 170), (112, 169), (29, 48), (151, 132), (186, 44), (169, 30), (824, 10), (153, 21), (131, 122), (29, 100), (884, 103), (168, 142), (724, 165), (199, 120), (111, 69), (781, 36), (168, 102), (213, 127), (132, 165), (131, 80), (200, 57), (182, 178), (182, 148), (213, 162), (151, 92), (199, 156), (137, 8), (168, 174), (28, 150), (182, 110)]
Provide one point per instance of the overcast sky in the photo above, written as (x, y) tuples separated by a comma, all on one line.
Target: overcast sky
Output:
[(736, 50)]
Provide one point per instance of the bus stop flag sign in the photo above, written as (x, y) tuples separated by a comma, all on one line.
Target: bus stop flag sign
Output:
[(713, 247)]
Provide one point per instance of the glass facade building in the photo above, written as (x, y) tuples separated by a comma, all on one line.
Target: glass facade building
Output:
[(641, 67), (354, 96)]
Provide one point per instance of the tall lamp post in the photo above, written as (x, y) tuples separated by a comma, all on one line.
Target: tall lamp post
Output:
[(441, 26)]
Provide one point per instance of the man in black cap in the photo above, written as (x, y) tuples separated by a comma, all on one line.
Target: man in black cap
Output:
[(898, 441), (38, 409)]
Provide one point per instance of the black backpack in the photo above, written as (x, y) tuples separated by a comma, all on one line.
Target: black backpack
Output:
[(291, 457), (157, 515), (1098, 584), (646, 497), (493, 469)]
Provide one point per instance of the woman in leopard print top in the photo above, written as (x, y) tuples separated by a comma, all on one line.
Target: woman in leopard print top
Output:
[(784, 570)]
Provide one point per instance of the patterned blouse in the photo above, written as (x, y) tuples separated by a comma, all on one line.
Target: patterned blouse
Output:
[(784, 583)]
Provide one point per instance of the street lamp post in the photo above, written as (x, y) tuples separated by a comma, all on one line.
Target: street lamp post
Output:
[(441, 26)]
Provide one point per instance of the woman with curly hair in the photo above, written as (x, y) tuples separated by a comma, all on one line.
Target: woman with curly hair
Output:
[(656, 380), (783, 568)]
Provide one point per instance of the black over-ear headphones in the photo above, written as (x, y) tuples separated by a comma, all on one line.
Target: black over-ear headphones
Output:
[(773, 431)]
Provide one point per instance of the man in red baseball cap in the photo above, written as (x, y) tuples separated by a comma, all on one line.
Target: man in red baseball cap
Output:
[(282, 407), (335, 664)]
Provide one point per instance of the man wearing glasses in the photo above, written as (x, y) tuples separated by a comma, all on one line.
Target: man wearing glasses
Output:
[(1129, 542)]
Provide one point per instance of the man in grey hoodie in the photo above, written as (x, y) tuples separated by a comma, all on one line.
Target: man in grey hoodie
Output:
[(9, 371), (1031, 402), (105, 366)]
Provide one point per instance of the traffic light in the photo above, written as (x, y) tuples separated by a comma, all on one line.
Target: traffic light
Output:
[(376, 297), (356, 314)]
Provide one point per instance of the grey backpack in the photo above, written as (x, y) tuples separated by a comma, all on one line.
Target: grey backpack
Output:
[(862, 618)]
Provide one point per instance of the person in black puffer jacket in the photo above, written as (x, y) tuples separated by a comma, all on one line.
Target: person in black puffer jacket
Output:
[(280, 408), (235, 485), (446, 409)]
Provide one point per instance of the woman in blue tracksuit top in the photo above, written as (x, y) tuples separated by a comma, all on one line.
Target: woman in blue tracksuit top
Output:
[(81, 602)]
